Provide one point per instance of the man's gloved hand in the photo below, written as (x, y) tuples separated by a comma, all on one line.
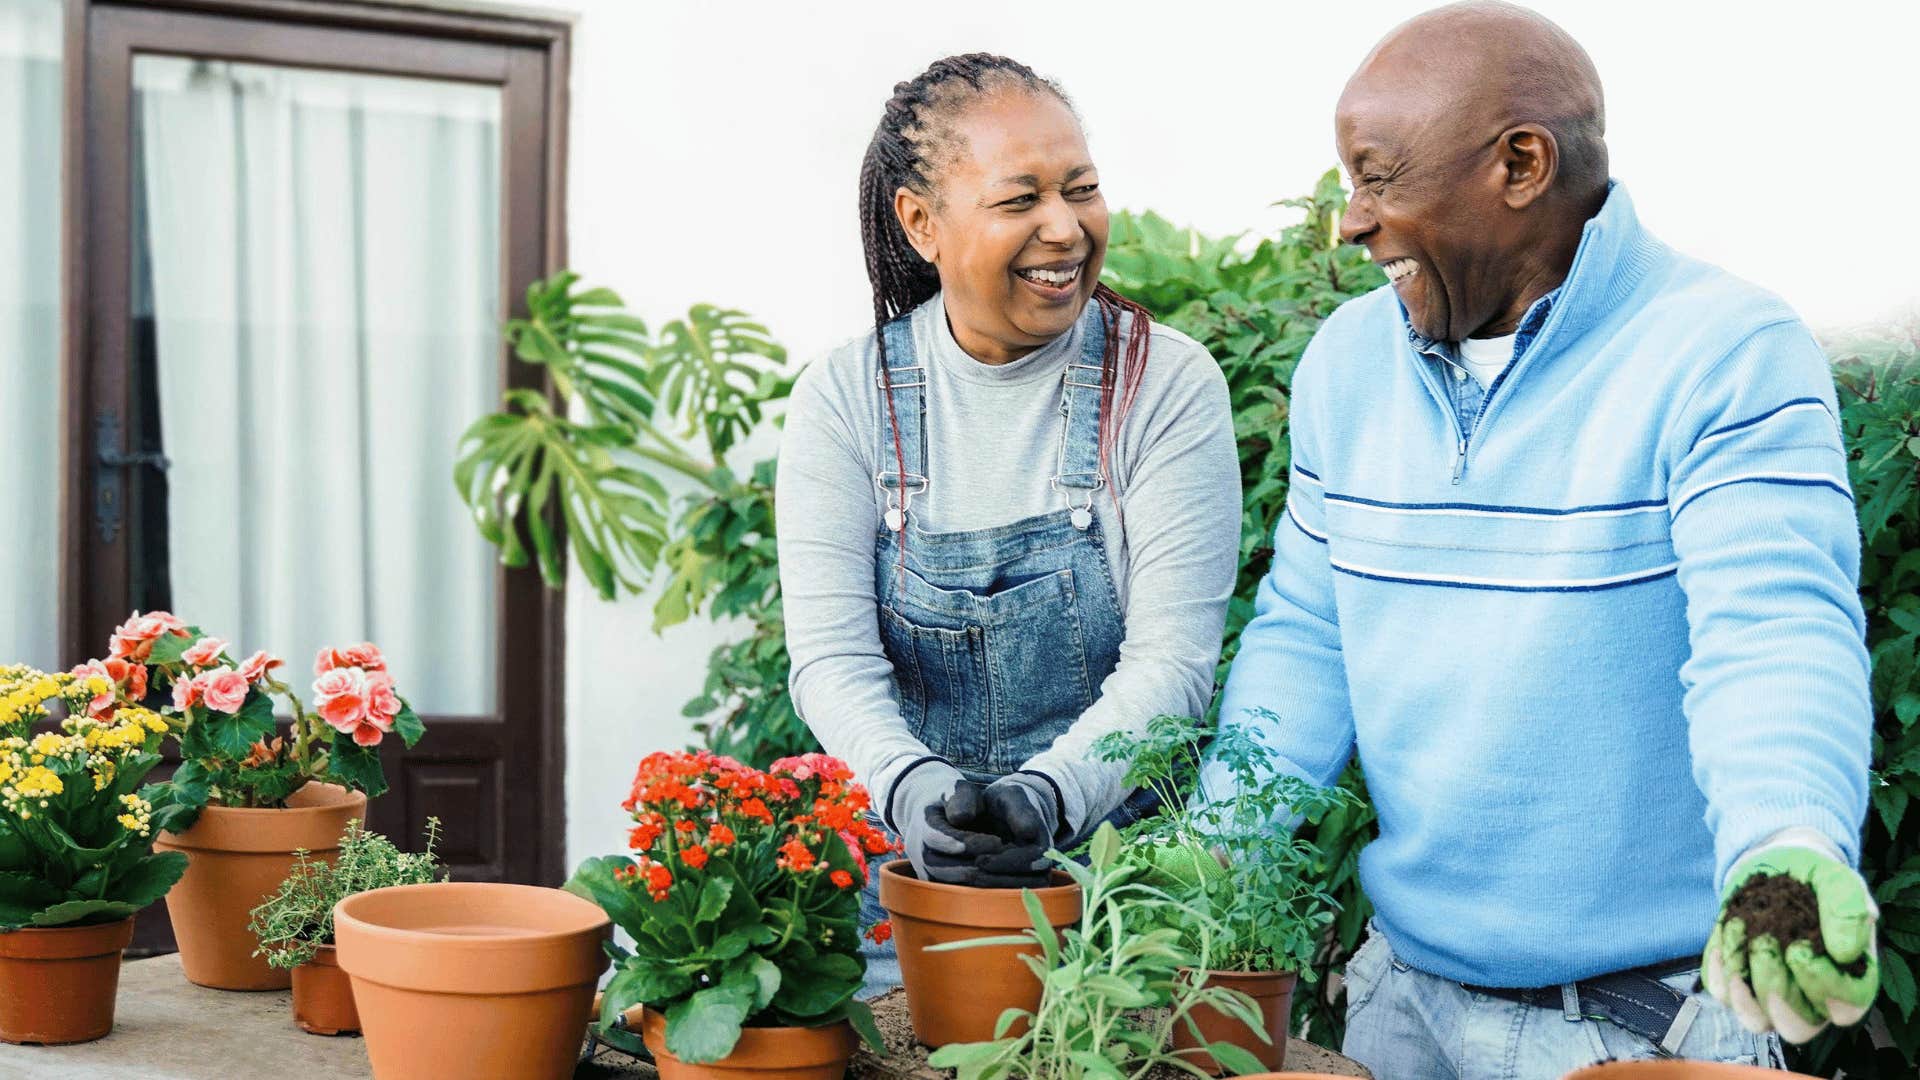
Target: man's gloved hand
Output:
[(1793, 988)]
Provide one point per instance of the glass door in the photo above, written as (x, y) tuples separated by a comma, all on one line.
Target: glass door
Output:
[(303, 242)]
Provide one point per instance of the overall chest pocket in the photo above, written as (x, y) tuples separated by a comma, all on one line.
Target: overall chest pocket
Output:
[(988, 679)]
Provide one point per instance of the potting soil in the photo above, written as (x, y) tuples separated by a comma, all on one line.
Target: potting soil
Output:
[(1784, 908)]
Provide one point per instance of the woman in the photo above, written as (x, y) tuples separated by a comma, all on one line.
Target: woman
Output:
[(1010, 515)]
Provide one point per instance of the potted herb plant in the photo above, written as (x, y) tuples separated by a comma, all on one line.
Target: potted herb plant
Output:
[(1238, 862), (76, 858), (1114, 992), (295, 924), (744, 906), (244, 798)]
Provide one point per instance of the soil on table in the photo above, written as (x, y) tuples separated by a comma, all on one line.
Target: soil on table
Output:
[(1786, 909)]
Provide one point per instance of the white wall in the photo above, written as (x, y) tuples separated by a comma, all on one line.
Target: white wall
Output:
[(715, 148)]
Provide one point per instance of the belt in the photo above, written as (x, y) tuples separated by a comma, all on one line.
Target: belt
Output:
[(1636, 1000)]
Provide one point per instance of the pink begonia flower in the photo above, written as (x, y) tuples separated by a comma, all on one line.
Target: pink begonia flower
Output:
[(340, 697), (256, 666), (205, 652), (370, 731), (365, 656), (382, 700), (134, 638), (224, 688), (187, 693)]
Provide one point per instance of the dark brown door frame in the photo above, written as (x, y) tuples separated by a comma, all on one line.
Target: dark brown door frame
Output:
[(529, 59)]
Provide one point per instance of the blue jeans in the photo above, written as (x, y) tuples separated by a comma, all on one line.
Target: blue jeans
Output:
[(1404, 1024)]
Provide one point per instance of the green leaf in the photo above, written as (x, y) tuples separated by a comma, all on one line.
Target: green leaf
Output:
[(822, 984), (1896, 981), (22, 896), (168, 648), (356, 766), (407, 725), (150, 878), (642, 982), (596, 880), (1237, 1060), (861, 1017), (76, 912), (713, 899), (705, 1027), (766, 977)]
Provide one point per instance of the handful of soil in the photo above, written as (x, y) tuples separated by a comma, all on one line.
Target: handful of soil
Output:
[(1784, 908)]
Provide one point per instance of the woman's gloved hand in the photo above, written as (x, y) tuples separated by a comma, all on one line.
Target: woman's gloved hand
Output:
[(1023, 810), (919, 810)]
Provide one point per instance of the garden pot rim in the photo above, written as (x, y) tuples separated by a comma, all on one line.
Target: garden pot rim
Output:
[(403, 936), (313, 809), (74, 942), (905, 894), (1256, 974)]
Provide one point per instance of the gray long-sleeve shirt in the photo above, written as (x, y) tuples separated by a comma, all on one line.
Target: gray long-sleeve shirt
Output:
[(993, 433)]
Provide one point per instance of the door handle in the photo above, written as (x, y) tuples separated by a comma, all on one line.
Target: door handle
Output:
[(109, 489)]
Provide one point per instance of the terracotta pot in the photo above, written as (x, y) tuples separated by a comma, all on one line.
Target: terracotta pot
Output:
[(57, 984), (763, 1053), (1272, 994), (236, 857), (323, 996), (958, 996), (1671, 1069), (469, 978)]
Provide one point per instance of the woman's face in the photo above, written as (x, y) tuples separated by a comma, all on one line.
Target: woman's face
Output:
[(1017, 227)]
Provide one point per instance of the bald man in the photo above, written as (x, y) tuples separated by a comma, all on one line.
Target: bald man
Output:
[(1570, 557)]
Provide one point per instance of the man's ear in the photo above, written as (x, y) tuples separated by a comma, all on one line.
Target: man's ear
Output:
[(1532, 159), (916, 219)]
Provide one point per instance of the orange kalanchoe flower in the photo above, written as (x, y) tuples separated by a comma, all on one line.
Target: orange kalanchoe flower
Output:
[(841, 879), (881, 932), (694, 856)]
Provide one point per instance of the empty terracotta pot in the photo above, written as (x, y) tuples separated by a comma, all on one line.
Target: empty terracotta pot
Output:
[(773, 1053), (958, 996), (57, 985), (1671, 1069), (1272, 994), (469, 978), (323, 996), (236, 856)]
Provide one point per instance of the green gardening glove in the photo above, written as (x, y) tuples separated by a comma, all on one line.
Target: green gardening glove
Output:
[(1796, 990)]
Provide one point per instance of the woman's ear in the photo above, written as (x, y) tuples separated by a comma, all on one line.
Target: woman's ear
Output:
[(916, 220)]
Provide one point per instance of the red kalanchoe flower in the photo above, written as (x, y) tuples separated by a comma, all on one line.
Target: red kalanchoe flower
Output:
[(841, 878), (719, 835), (694, 856), (881, 932), (795, 856)]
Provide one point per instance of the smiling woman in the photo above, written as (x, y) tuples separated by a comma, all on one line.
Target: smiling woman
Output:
[(1009, 514)]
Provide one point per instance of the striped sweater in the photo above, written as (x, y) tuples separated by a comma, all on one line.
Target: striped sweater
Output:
[(1590, 648)]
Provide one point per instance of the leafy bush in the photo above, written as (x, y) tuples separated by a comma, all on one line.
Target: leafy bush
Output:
[(1263, 892), (1098, 976), (297, 918), (1879, 390)]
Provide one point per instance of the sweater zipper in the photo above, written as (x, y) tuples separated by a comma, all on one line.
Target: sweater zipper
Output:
[(1444, 398)]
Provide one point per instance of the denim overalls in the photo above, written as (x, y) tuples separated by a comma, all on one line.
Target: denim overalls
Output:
[(1000, 637)]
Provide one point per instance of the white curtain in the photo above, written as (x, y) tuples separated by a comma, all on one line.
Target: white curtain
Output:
[(323, 274), (30, 406)]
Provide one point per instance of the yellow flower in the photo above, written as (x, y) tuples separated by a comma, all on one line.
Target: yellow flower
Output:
[(39, 782)]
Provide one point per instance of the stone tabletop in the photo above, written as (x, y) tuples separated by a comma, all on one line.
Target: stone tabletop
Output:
[(166, 1028)]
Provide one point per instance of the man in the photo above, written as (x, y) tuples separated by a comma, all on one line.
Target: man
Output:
[(1570, 557)]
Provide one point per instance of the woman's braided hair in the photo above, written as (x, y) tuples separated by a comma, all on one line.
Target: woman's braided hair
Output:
[(912, 143)]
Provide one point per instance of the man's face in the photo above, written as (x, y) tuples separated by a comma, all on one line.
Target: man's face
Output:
[(1427, 204)]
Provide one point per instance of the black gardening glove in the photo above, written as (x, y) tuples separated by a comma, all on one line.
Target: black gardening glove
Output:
[(918, 810), (1024, 809)]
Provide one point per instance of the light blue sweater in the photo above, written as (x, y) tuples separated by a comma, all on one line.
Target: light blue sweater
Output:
[(1590, 653)]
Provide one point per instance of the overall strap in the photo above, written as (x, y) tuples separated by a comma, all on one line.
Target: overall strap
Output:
[(908, 380), (1078, 473)]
